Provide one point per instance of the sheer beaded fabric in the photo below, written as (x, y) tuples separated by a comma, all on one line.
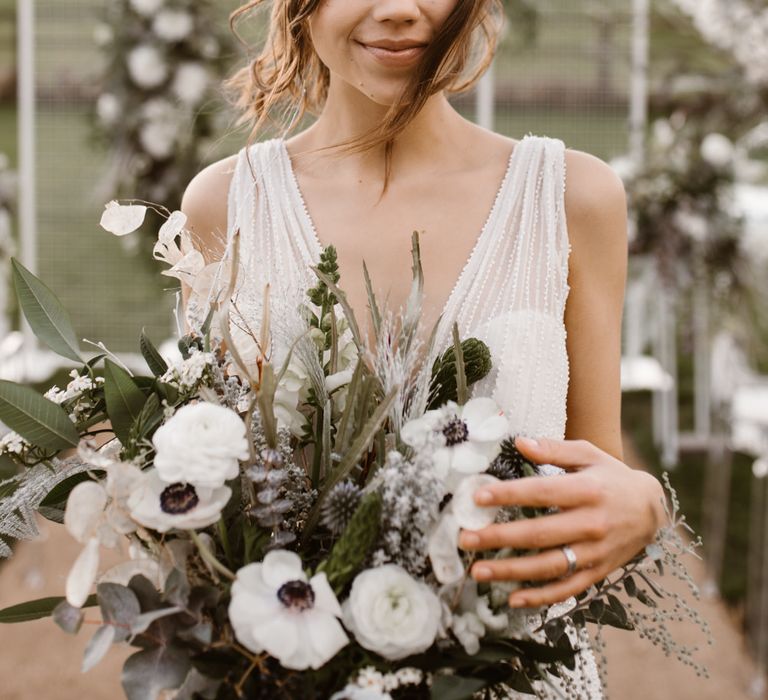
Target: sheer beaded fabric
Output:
[(511, 294)]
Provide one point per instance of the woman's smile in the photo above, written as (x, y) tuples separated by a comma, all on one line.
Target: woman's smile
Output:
[(394, 54)]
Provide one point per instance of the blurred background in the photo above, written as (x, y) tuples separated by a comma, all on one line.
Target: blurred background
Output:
[(102, 99)]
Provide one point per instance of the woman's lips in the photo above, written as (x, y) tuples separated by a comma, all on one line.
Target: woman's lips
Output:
[(394, 58)]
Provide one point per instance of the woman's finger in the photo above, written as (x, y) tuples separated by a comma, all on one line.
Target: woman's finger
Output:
[(568, 454), (544, 566), (566, 491), (558, 590), (536, 533)]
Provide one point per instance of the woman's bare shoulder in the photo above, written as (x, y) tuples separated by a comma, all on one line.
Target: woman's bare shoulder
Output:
[(595, 206), (205, 205)]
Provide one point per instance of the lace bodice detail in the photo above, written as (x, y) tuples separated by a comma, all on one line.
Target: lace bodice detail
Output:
[(511, 292)]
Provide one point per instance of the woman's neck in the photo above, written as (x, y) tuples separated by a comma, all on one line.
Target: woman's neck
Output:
[(348, 114)]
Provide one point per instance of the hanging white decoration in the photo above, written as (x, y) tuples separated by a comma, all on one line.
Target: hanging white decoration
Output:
[(736, 26), (165, 61)]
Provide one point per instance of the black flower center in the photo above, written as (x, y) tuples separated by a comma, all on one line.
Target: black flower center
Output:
[(297, 595), (177, 499), (455, 431)]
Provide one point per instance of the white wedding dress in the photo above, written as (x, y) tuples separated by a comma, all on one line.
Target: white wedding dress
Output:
[(511, 292)]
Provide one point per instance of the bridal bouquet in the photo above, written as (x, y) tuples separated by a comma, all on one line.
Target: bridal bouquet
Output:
[(290, 528)]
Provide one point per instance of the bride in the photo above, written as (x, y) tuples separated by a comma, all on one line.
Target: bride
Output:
[(542, 283)]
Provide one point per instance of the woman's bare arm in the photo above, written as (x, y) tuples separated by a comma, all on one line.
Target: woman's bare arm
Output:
[(596, 210), (205, 205)]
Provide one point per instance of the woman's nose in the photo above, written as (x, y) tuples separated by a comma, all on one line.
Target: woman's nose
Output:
[(397, 11)]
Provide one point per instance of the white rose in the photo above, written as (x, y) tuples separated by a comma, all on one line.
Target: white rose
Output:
[(201, 445), (392, 613), (147, 67)]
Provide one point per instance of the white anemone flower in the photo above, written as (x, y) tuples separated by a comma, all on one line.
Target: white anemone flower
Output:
[(392, 613), (122, 219), (471, 433), (163, 506), (97, 514), (201, 444), (274, 608)]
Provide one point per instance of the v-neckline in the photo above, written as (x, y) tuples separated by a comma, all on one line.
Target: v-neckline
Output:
[(313, 240)]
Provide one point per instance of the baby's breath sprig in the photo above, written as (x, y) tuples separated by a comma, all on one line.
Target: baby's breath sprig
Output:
[(638, 579)]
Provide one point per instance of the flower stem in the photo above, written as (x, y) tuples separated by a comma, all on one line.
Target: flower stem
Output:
[(205, 553), (225, 540)]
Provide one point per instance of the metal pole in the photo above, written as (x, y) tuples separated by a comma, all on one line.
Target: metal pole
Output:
[(485, 104), (638, 99), (25, 13)]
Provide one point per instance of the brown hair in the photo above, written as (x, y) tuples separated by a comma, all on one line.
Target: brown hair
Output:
[(287, 76)]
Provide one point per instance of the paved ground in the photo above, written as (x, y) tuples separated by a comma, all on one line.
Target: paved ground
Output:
[(40, 662)]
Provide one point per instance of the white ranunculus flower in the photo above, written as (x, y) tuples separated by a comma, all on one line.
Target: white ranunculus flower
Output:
[(201, 444), (191, 83), (717, 150), (173, 25), (162, 506), (122, 219), (146, 8), (274, 608), (391, 613), (472, 435), (147, 66)]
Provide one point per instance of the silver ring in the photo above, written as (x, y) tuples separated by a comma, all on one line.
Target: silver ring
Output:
[(570, 555)]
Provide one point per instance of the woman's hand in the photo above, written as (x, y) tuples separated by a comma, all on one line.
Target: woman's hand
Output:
[(607, 513)]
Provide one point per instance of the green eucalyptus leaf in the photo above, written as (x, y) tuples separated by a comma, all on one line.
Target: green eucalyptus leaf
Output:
[(46, 316), (124, 399), (68, 617), (98, 646), (38, 420), (36, 609), (119, 607), (154, 359), (149, 672)]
